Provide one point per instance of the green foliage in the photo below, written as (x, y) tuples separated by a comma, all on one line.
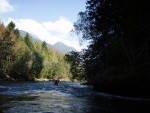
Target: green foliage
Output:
[(28, 41), (17, 33), (54, 65), (77, 70), (20, 69), (6, 51), (11, 26), (21, 59), (44, 45)]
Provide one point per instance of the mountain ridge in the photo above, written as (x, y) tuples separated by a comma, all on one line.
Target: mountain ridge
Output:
[(63, 47), (59, 46)]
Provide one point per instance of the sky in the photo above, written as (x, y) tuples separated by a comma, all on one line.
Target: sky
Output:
[(50, 20)]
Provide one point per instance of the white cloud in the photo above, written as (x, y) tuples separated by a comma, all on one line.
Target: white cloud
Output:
[(35, 28), (51, 32), (62, 25), (5, 6)]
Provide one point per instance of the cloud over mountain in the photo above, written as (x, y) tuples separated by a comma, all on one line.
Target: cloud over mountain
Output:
[(51, 32)]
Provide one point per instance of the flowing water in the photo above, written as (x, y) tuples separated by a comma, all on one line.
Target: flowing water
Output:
[(67, 97)]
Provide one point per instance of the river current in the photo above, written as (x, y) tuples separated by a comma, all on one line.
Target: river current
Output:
[(67, 97)]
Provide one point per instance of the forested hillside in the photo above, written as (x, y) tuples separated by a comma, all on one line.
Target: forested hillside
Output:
[(23, 59)]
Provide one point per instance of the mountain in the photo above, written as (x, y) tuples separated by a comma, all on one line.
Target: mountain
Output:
[(34, 38), (59, 46), (63, 48)]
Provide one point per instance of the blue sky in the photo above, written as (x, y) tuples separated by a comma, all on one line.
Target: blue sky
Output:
[(50, 20)]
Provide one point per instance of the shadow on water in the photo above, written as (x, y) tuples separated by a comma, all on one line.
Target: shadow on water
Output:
[(4, 99), (116, 104), (44, 97)]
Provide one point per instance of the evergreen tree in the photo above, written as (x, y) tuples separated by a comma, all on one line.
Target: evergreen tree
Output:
[(44, 45), (11, 26), (6, 52), (28, 41)]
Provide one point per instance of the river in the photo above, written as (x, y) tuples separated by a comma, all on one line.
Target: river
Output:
[(67, 97)]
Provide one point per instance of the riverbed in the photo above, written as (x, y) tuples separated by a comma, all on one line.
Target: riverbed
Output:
[(67, 97)]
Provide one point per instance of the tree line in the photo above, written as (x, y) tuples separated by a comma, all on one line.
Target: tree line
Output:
[(23, 59), (118, 55)]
